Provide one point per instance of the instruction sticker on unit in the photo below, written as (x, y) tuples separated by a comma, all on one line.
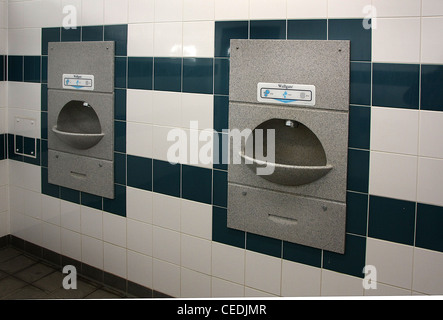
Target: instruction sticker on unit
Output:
[(78, 82), (281, 93)]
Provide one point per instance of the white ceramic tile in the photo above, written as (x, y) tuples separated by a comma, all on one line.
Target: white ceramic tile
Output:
[(166, 245), (139, 105), (301, 9), (24, 41), (384, 290), (51, 13), (31, 100), (428, 272), (252, 293), (4, 172), (33, 204), (231, 9), (300, 280), (15, 15), (430, 181), (71, 244), (92, 251), (166, 278), (17, 224), (266, 278), (431, 45), (33, 231), (196, 219), (197, 107), (225, 289), (196, 253), (139, 237), (114, 229), (162, 143), (4, 14), (70, 216), (16, 177), (114, 259), (339, 284), (393, 175), (3, 120), (394, 130), (91, 222), (397, 8), (168, 39), (32, 174), (139, 268), (431, 127), (200, 147), (198, 39), (347, 8), (166, 108), (4, 198), (139, 204), (388, 43), (115, 11), (16, 200), (194, 10), (228, 262), (141, 40), (50, 209), (194, 284), (168, 10), (139, 139), (166, 211), (4, 224), (92, 12), (51, 237), (4, 41), (267, 9), (24, 122), (4, 93), (393, 262), (432, 8), (140, 11)]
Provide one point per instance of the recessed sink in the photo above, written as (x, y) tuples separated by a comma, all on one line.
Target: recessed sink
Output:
[(299, 155), (78, 125)]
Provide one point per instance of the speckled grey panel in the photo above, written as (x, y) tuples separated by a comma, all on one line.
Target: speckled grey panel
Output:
[(81, 119), (81, 173), (91, 58), (312, 213)]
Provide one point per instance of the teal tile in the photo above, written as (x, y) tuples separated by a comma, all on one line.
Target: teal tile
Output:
[(353, 30), (92, 33), (315, 29), (48, 188), (166, 178), (429, 233), (359, 127), (168, 74), (31, 65), (221, 151), (120, 104), (198, 75), (431, 84), (352, 262), (302, 254), (118, 204), (118, 34), (227, 30), (220, 188), (265, 245), (139, 172), (120, 168), (395, 85), (358, 170), (140, 73), (71, 35), (357, 213), (221, 233), (360, 83), (120, 136), (197, 184), (49, 35), (221, 76), (70, 195), (15, 68), (120, 72), (391, 219), (221, 113), (91, 200), (268, 29)]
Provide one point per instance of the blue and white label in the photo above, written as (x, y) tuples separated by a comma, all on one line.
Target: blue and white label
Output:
[(78, 82), (282, 93)]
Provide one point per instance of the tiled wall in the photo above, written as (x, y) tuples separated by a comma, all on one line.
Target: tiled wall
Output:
[(166, 229)]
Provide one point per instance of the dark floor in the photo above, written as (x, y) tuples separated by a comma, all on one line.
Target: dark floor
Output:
[(24, 277)]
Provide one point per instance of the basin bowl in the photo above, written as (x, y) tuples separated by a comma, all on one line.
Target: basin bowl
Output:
[(78, 125), (299, 155)]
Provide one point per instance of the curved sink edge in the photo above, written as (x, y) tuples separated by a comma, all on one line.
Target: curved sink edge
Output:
[(317, 172), (80, 141)]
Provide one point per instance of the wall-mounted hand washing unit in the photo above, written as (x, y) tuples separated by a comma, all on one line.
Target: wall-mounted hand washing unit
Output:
[(289, 99), (81, 116)]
